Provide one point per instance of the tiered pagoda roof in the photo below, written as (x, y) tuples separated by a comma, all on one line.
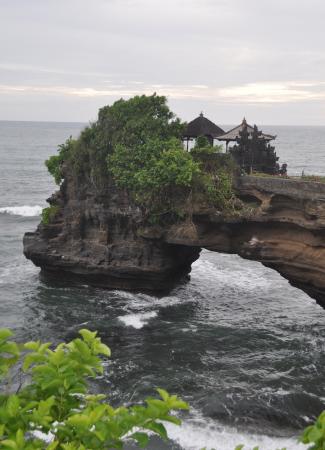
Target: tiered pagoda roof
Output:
[(234, 133)]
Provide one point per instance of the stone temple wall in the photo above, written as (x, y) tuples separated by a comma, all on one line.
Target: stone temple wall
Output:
[(298, 189)]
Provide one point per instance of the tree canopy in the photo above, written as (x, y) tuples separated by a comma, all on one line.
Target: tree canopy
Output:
[(136, 143)]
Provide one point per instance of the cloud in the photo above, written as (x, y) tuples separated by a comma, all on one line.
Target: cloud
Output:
[(259, 92), (275, 92)]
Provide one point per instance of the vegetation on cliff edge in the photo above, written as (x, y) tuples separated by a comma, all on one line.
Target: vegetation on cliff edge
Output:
[(137, 144), (49, 213)]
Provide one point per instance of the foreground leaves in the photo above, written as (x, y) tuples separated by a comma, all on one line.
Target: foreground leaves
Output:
[(315, 434), (55, 410)]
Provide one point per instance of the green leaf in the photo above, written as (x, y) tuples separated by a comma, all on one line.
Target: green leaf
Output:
[(158, 428), (20, 438), (102, 349), (141, 438), (88, 336), (10, 348), (53, 445), (97, 413), (9, 444), (13, 405), (173, 419), (163, 394), (5, 334), (315, 434), (81, 347), (32, 358), (79, 421), (32, 345)]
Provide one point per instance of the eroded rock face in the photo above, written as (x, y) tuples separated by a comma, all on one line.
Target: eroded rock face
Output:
[(96, 235), (101, 236), (285, 230)]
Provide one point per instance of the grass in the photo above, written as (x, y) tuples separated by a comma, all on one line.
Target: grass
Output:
[(311, 178)]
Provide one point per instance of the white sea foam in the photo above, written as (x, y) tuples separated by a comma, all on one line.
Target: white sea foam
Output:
[(19, 271), (230, 270), (137, 320), (204, 433), (25, 211)]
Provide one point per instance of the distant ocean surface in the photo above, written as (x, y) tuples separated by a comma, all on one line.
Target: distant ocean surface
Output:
[(242, 346)]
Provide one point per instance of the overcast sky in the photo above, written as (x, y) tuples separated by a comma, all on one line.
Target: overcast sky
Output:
[(63, 59)]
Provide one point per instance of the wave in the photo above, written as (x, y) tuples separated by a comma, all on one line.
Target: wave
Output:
[(24, 211), (203, 433), (137, 320), (20, 271), (229, 270)]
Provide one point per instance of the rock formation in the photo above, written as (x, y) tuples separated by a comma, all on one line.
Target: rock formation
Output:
[(283, 228), (97, 235), (101, 236)]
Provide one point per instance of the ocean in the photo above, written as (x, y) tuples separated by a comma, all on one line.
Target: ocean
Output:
[(237, 342)]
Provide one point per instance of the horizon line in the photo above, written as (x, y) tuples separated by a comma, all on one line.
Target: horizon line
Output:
[(88, 122)]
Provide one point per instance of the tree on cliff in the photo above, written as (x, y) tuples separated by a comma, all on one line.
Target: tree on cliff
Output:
[(137, 144), (127, 122)]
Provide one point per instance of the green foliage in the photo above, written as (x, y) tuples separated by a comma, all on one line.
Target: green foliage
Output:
[(162, 177), (54, 163), (54, 409), (315, 178), (218, 189), (202, 142), (137, 143), (55, 402), (49, 213), (9, 352), (203, 146), (128, 123), (208, 150), (134, 121), (153, 172), (315, 434), (214, 186)]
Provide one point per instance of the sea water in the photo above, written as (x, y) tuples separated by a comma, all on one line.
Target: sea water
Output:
[(240, 344)]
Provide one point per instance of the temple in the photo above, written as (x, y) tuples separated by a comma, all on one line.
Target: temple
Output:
[(201, 126), (252, 150)]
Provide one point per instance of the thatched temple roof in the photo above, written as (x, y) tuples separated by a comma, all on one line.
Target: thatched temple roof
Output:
[(234, 133), (201, 126)]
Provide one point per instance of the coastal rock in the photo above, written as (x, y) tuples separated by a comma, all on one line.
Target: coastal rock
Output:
[(101, 236)]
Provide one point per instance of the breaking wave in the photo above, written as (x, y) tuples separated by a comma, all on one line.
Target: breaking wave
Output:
[(24, 211), (206, 433), (137, 320)]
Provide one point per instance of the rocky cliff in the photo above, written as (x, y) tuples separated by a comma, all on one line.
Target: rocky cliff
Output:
[(101, 236), (96, 235)]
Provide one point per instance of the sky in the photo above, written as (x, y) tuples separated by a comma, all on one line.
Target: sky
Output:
[(61, 60)]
